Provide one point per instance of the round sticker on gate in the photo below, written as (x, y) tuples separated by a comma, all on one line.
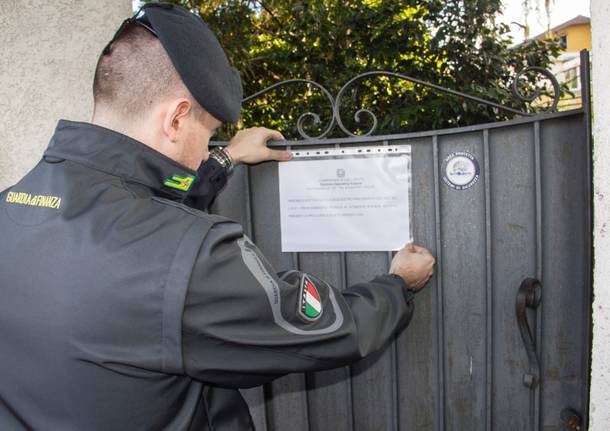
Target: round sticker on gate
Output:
[(461, 170)]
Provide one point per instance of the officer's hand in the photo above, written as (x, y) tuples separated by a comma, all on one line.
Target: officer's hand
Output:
[(414, 264), (250, 146)]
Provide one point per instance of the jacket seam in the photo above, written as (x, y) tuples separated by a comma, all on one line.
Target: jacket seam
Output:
[(192, 211), (186, 292), (107, 172), (133, 195), (165, 292)]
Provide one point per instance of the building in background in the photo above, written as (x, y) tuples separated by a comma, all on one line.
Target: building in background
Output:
[(574, 35)]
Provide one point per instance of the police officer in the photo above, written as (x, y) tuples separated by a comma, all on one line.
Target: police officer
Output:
[(122, 305)]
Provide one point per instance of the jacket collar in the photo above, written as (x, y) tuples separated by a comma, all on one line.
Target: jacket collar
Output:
[(117, 154)]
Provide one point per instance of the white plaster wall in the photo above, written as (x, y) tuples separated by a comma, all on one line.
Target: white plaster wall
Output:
[(48, 54), (600, 376)]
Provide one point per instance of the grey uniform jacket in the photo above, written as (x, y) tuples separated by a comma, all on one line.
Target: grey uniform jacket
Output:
[(124, 308)]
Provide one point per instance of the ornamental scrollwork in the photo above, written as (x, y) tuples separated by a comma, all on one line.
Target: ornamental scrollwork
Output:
[(335, 102)]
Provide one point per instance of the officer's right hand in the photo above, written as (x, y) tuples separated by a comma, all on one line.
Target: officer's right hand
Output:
[(250, 146), (414, 264)]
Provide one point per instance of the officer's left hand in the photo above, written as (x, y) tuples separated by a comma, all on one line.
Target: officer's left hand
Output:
[(250, 146)]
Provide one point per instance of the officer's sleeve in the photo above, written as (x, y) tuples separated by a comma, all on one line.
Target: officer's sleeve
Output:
[(211, 179), (243, 325)]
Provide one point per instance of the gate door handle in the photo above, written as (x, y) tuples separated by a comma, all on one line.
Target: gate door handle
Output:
[(529, 296)]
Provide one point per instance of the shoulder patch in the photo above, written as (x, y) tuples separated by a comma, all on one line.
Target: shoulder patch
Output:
[(259, 270), (310, 304)]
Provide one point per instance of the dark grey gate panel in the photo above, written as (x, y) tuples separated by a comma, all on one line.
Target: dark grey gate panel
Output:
[(460, 364)]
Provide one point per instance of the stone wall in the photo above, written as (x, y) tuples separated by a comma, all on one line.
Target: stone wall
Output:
[(49, 52)]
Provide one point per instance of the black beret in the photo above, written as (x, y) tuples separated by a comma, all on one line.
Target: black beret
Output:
[(197, 56)]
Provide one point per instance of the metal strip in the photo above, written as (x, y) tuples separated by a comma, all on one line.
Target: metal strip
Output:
[(538, 179), (394, 367), (295, 261), (296, 264), (348, 382), (393, 348), (342, 257), (585, 85), (440, 321), (489, 290)]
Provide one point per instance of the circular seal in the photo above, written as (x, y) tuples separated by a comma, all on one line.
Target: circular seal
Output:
[(461, 170)]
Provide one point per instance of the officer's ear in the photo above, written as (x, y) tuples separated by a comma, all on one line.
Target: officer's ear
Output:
[(174, 117)]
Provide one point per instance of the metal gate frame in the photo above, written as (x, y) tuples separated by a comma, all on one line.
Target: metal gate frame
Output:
[(280, 405)]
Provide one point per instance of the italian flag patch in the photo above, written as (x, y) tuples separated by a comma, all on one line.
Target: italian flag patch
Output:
[(310, 307)]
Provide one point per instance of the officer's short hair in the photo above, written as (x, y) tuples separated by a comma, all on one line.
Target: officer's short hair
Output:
[(136, 74)]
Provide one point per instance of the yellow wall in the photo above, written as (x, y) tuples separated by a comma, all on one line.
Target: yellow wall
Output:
[(579, 37)]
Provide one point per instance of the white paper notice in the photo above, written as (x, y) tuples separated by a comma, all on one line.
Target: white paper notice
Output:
[(347, 203)]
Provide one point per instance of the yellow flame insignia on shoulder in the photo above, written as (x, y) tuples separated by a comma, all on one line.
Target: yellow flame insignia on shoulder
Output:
[(179, 182)]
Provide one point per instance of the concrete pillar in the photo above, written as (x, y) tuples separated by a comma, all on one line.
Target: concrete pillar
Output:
[(600, 375), (49, 52)]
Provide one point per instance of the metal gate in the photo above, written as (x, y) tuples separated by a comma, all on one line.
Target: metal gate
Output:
[(485, 350)]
